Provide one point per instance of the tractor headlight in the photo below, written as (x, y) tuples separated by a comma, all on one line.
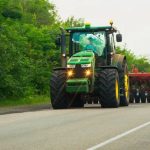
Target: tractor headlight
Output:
[(88, 72), (70, 66), (70, 73), (85, 65)]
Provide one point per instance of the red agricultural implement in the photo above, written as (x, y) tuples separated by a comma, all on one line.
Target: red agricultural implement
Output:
[(139, 86)]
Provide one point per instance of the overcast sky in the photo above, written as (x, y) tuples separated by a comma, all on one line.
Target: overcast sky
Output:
[(131, 17)]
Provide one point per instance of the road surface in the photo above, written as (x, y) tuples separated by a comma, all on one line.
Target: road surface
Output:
[(125, 128)]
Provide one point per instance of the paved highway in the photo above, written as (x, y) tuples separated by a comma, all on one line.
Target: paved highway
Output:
[(125, 128)]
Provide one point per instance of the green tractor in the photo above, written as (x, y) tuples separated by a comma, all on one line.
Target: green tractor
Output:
[(91, 71)]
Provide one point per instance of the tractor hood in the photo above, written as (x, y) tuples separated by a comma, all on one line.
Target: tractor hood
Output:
[(84, 57)]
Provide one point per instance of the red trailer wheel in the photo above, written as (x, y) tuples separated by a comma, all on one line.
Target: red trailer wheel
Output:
[(143, 97), (137, 99)]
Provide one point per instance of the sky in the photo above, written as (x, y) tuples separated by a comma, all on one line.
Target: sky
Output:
[(131, 17)]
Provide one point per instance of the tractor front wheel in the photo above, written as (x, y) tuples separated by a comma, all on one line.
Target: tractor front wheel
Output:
[(59, 98), (108, 87)]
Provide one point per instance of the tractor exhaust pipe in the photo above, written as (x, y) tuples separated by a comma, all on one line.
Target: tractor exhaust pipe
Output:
[(63, 48)]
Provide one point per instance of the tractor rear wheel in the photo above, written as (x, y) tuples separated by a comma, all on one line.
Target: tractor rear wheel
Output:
[(57, 90), (108, 87), (124, 85)]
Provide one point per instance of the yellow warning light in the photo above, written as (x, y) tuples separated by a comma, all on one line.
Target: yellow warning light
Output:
[(88, 72), (70, 73), (111, 22)]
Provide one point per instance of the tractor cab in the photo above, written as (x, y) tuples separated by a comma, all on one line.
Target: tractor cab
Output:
[(99, 40), (94, 41)]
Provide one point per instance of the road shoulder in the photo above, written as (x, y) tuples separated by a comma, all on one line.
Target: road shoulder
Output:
[(20, 109)]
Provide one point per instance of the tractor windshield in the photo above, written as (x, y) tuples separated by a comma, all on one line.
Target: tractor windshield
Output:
[(95, 41)]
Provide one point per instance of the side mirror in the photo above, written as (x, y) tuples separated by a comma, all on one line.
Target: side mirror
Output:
[(58, 41), (119, 37)]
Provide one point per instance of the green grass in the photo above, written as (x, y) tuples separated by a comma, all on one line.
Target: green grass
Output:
[(32, 100)]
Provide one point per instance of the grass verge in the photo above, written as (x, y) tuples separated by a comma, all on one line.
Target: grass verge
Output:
[(32, 100)]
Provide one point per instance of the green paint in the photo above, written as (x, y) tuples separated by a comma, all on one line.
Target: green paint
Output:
[(84, 57), (78, 85)]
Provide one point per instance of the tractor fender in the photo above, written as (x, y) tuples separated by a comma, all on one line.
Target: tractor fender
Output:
[(118, 61)]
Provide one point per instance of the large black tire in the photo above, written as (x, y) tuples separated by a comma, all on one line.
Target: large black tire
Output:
[(57, 90), (124, 85), (108, 87)]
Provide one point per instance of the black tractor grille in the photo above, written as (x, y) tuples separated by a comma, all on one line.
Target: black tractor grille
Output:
[(79, 72)]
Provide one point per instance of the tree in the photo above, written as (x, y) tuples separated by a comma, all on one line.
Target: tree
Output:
[(73, 22), (28, 29), (142, 63)]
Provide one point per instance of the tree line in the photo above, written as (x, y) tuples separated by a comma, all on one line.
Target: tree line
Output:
[(140, 62), (28, 29)]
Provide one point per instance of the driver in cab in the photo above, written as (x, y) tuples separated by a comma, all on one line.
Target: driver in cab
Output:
[(90, 45)]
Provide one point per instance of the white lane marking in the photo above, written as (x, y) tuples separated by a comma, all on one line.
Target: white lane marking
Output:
[(118, 136)]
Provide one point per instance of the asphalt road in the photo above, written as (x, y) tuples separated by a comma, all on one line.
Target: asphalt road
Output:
[(125, 128)]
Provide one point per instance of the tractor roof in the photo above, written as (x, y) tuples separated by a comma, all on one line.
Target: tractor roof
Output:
[(89, 28)]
